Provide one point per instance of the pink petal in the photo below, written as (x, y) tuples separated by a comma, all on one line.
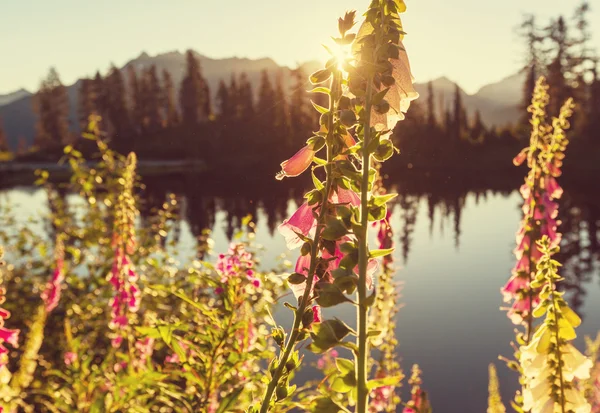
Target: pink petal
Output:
[(297, 163), (303, 222)]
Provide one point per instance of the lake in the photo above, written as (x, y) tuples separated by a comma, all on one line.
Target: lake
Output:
[(453, 254)]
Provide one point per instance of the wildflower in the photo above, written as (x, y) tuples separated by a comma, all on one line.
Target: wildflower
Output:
[(123, 276), (6, 335), (304, 222), (51, 295), (297, 163), (317, 318), (550, 363), (70, 358), (540, 210)]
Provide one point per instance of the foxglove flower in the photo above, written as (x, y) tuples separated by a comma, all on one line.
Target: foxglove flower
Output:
[(7, 336), (297, 163), (51, 295)]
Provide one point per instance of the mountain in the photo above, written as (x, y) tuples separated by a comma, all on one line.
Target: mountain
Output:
[(11, 97), (497, 102)]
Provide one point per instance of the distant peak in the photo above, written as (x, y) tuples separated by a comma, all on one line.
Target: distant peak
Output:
[(143, 55)]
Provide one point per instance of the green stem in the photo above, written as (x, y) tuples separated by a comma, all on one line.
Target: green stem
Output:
[(314, 252), (363, 259), (558, 352)]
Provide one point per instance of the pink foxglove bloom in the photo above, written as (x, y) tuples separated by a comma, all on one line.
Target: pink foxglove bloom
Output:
[(381, 396), (51, 295), (126, 300), (235, 263), (317, 318), (304, 222), (297, 163), (6, 335), (70, 358), (400, 93)]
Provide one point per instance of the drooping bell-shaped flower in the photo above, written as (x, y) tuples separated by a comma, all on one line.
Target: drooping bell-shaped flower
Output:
[(297, 163)]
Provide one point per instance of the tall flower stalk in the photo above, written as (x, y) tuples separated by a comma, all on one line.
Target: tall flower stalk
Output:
[(382, 75), (368, 92), (550, 363), (123, 276)]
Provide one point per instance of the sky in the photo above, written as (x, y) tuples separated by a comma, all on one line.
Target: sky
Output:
[(472, 42)]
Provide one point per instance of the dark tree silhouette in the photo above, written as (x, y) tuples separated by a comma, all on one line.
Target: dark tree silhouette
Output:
[(117, 110), (52, 107), (171, 115), (87, 101), (245, 98), (3, 140), (194, 94), (135, 100)]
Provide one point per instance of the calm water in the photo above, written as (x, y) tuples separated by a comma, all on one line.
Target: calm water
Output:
[(454, 252)]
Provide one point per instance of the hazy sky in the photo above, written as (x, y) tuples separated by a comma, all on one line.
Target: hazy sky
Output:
[(470, 41)]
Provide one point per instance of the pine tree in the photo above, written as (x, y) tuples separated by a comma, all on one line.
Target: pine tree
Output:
[(86, 102), (300, 110), (459, 115), (171, 115), (534, 65), (194, 95), (100, 101), (431, 118), (245, 98), (266, 102), (51, 104), (232, 95), (3, 140), (117, 110), (478, 131), (135, 100), (151, 100), (559, 69), (223, 102), (281, 111)]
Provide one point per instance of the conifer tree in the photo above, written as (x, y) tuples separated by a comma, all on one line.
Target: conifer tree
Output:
[(135, 99), (559, 69), (534, 65), (151, 98), (3, 140), (86, 102), (232, 95), (223, 101), (51, 104), (431, 118), (477, 131), (459, 115), (300, 112), (281, 111), (117, 111), (266, 102), (245, 98), (100, 102), (194, 95), (171, 115)]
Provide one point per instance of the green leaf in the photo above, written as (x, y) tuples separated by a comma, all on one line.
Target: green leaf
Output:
[(334, 229), (378, 98), (321, 89), (327, 334), (325, 404), (345, 366), (319, 108), (380, 200), (320, 76), (386, 381), (296, 278), (319, 161), (316, 182), (380, 253), (329, 295)]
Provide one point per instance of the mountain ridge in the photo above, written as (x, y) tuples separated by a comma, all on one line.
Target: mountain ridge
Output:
[(498, 102)]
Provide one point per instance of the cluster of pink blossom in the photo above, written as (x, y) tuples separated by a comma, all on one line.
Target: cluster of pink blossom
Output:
[(235, 262), (327, 359), (123, 278), (304, 222), (51, 295), (385, 236), (6, 335), (380, 397), (540, 210)]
